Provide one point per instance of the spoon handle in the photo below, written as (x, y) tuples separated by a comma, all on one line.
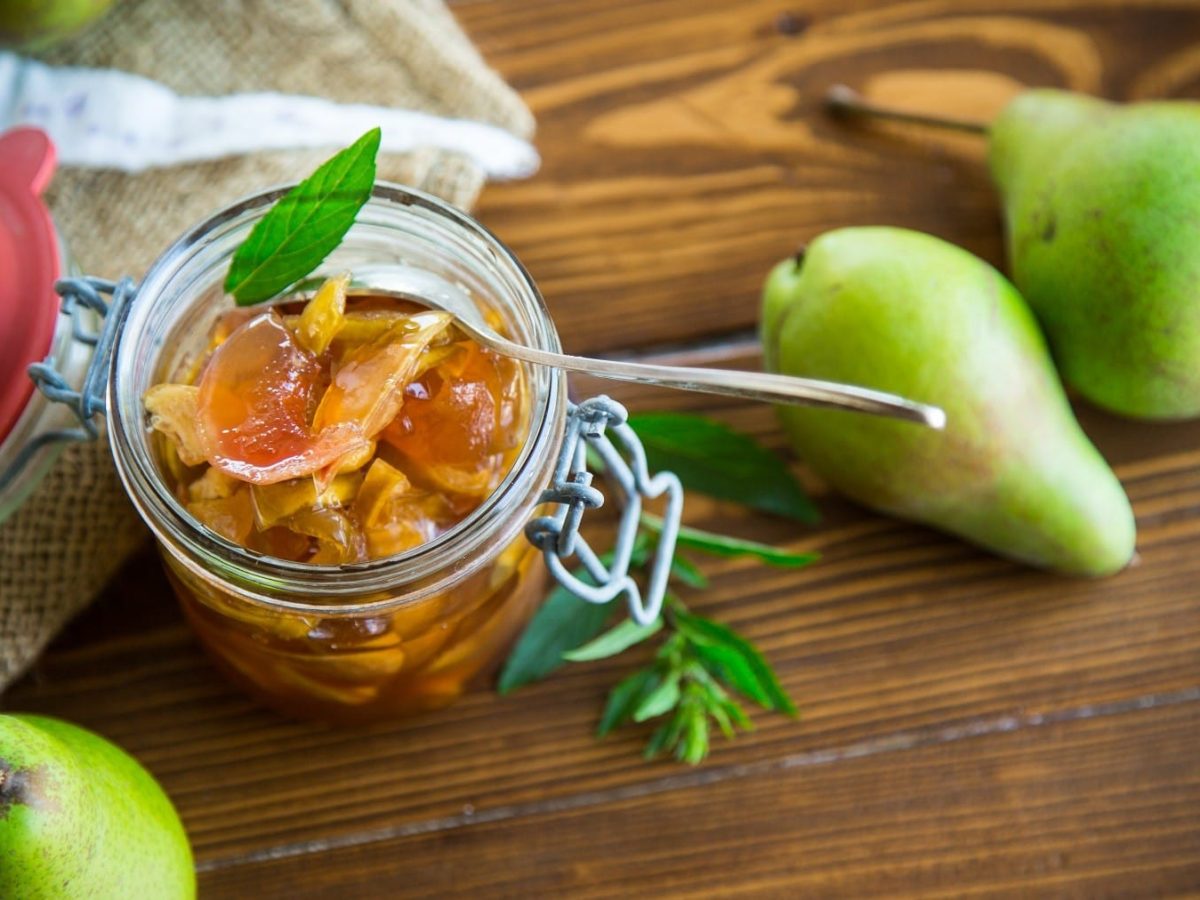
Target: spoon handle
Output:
[(750, 385), (416, 284)]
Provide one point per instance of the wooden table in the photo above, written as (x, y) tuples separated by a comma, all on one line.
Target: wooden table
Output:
[(970, 727)]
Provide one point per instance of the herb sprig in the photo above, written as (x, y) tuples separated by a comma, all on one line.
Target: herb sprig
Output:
[(700, 667), (687, 684)]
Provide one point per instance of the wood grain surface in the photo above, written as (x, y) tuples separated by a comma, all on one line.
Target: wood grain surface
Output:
[(970, 727)]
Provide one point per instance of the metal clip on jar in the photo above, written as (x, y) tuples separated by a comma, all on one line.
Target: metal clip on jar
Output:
[(401, 633)]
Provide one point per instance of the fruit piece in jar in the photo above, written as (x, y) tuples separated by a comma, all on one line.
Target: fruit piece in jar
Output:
[(395, 516), (174, 411), (323, 316), (449, 428), (339, 539), (212, 485), (231, 517), (254, 399), (361, 327), (353, 666), (273, 503), (367, 387), (383, 485)]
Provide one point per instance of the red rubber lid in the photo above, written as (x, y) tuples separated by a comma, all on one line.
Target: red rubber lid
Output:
[(29, 266)]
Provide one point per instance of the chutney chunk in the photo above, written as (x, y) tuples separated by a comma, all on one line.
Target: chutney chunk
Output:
[(453, 428), (254, 401), (367, 387)]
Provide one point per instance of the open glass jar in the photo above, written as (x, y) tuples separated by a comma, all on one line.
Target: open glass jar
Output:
[(357, 641)]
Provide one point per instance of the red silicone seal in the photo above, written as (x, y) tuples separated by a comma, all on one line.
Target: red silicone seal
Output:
[(29, 266)]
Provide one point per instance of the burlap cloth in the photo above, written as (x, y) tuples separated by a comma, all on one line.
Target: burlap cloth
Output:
[(76, 530)]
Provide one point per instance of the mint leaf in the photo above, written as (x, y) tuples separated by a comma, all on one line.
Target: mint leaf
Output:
[(695, 741), (624, 698), (621, 637), (730, 667), (716, 709), (705, 632), (684, 570), (735, 712), (662, 699), (666, 735), (713, 459), (659, 740), (722, 545), (563, 623), (305, 226)]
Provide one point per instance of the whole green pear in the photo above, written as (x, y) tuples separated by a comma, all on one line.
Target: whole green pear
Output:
[(36, 24), (1102, 203), (905, 312), (79, 818)]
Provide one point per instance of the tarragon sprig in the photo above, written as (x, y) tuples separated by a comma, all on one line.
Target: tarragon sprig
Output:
[(700, 666), (688, 685)]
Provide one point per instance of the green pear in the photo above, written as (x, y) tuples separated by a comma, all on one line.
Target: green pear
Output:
[(79, 818), (36, 24), (908, 313), (1102, 204)]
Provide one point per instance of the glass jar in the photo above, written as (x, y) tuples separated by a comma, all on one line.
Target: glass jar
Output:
[(368, 640)]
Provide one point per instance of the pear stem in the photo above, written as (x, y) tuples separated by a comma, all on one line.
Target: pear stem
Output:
[(842, 100)]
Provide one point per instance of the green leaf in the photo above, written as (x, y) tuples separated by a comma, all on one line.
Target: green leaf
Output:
[(705, 632), (721, 717), (662, 699), (305, 226), (722, 545), (713, 459), (658, 741), (624, 697), (730, 666), (737, 714), (621, 637), (563, 623), (694, 746), (666, 735), (684, 570)]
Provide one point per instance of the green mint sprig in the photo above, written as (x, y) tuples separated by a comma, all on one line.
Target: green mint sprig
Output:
[(699, 665), (305, 225), (688, 684)]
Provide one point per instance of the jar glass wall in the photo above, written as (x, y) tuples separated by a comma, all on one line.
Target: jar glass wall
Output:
[(364, 640)]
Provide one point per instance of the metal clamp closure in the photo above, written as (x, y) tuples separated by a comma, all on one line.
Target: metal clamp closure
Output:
[(592, 425)]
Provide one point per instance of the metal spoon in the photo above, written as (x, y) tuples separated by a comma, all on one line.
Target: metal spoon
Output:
[(435, 292)]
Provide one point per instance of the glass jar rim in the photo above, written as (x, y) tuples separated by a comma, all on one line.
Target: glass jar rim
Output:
[(276, 583)]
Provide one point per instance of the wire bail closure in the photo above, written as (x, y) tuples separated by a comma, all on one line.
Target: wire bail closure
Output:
[(87, 401), (591, 426)]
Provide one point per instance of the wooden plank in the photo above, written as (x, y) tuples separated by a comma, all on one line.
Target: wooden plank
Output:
[(685, 151), (1071, 806)]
